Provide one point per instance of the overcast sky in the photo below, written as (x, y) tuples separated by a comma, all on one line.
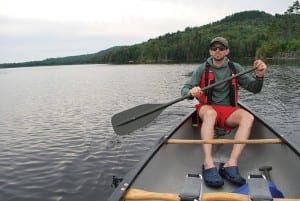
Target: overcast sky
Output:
[(40, 29)]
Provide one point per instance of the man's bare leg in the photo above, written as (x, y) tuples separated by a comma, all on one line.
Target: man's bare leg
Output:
[(208, 116), (244, 121)]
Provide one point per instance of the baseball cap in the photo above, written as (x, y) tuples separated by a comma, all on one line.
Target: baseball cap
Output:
[(220, 40)]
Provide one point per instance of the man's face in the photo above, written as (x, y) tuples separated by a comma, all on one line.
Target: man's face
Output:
[(218, 51)]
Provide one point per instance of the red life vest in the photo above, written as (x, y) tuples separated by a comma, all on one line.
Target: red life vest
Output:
[(208, 78)]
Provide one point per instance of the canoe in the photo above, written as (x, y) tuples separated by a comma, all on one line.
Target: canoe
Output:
[(165, 170)]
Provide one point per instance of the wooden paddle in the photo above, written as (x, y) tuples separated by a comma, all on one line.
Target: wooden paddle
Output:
[(129, 120), (138, 194)]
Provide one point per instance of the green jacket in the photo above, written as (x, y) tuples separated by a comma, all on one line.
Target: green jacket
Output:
[(221, 92)]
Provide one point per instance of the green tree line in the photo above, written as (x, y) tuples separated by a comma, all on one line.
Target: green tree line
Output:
[(284, 37), (70, 60), (250, 34)]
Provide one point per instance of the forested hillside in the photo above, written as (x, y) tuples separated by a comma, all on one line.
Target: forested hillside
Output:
[(70, 60), (250, 34)]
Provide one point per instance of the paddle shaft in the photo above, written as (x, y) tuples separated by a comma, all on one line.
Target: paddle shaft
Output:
[(181, 98)]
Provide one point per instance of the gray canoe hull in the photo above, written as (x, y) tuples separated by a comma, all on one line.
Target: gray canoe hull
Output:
[(164, 169)]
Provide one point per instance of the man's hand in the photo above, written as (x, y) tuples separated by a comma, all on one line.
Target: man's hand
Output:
[(260, 68), (196, 92)]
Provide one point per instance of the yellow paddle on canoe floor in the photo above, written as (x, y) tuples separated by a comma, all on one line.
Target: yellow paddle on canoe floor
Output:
[(138, 194)]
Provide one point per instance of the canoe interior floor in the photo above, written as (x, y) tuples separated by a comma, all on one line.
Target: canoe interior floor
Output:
[(167, 170)]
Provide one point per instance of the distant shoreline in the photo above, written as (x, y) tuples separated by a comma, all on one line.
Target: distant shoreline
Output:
[(293, 59)]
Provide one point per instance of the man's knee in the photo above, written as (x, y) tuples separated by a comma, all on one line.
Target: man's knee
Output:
[(240, 117), (248, 117), (209, 114)]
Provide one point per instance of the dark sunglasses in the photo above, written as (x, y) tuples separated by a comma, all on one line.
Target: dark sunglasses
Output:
[(221, 48)]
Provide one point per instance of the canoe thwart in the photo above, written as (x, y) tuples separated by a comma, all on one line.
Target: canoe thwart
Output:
[(138, 194), (225, 141)]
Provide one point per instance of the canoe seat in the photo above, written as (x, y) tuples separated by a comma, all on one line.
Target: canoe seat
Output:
[(192, 187), (259, 187)]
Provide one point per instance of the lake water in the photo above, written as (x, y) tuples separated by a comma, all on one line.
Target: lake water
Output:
[(56, 139)]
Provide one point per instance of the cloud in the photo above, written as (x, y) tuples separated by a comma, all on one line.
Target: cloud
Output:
[(39, 39), (30, 39)]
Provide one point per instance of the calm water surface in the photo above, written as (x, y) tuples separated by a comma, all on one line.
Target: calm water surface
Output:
[(56, 140)]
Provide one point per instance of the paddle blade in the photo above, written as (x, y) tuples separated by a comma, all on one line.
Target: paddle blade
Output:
[(129, 120)]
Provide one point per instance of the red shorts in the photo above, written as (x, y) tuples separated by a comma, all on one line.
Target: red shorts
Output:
[(223, 112)]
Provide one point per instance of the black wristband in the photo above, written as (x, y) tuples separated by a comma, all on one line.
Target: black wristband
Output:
[(259, 78)]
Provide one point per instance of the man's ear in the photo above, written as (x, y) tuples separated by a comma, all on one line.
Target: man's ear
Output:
[(227, 51)]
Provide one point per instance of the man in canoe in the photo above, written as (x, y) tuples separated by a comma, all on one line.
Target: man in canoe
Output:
[(218, 106)]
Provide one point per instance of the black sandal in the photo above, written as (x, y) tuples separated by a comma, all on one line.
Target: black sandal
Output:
[(231, 174), (212, 178)]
